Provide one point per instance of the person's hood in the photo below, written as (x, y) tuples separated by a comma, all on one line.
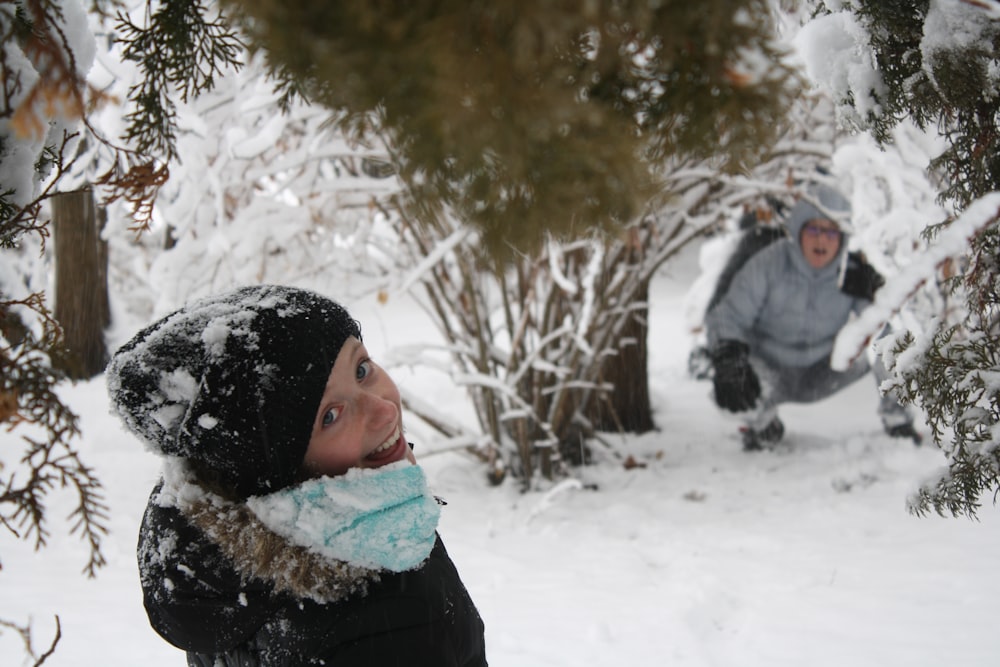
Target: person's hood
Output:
[(819, 201)]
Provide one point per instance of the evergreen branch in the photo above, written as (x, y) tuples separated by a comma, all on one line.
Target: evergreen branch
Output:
[(952, 375), (28, 377), (541, 117), (180, 51)]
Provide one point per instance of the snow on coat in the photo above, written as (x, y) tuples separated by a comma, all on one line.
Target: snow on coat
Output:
[(786, 311)]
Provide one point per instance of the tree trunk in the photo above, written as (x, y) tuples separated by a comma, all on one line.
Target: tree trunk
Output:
[(627, 408), (81, 285)]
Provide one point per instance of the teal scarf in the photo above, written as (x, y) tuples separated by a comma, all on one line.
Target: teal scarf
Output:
[(382, 518)]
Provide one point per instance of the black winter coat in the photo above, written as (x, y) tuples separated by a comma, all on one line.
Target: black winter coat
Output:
[(221, 613)]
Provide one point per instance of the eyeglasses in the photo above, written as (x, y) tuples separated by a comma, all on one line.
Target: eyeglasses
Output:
[(831, 233)]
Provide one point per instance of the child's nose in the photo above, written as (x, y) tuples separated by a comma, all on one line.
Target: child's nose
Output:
[(379, 410)]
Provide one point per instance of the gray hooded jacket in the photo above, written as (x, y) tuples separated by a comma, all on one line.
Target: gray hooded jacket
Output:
[(786, 311)]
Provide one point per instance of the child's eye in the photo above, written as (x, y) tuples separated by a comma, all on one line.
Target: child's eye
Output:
[(330, 416), (364, 369)]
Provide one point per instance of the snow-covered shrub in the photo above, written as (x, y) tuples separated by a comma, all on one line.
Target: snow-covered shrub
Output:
[(535, 340)]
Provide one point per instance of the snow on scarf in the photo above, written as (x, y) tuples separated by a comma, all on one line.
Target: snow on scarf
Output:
[(382, 518)]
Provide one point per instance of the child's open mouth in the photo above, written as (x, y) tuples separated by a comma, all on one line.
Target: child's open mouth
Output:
[(393, 449)]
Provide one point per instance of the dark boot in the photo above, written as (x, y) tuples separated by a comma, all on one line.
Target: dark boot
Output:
[(754, 441)]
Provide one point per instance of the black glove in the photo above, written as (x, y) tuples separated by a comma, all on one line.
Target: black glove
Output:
[(736, 385), (860, 280)]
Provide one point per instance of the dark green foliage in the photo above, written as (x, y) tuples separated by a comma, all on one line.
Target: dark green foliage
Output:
[(956, 384), (895, 30), (527, 117), (180, 52), (947, 85), (945, 76)]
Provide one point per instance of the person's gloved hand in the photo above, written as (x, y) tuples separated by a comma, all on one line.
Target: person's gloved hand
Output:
[(860, 279), (736, 385)]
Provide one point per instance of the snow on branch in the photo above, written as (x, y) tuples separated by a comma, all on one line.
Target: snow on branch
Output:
[(952, 242)]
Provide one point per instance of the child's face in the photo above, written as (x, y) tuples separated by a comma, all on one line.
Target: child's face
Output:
[(820, 242), (359, 423)]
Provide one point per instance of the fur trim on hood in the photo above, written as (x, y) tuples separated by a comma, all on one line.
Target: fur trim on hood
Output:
[(258, 553)]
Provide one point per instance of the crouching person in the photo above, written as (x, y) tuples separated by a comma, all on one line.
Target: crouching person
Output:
[(292, 525), (771, 335)]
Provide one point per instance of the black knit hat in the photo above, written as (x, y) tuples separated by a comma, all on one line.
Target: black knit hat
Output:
[(233, 382)]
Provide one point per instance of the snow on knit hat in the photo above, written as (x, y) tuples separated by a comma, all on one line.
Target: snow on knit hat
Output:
[(232, 382)]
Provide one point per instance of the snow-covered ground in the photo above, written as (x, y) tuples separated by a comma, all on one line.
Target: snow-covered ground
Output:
[(705, 557)]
